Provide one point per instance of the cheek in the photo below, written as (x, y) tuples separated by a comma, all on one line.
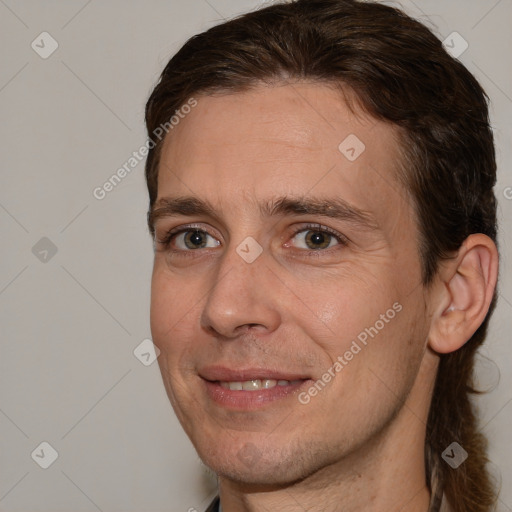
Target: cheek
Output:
[(338, 308), (161, 309), (176, 305), (169, 321), (170, 303)]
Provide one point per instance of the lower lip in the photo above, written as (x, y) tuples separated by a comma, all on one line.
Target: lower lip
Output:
[(250, 399)]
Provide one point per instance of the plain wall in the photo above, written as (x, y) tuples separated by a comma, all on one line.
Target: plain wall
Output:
[(70, 323)]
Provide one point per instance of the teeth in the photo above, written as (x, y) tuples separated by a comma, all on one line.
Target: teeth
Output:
[(250, 385), (256, 384)]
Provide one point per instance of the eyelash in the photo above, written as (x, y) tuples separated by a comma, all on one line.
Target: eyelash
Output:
[(171, 234)]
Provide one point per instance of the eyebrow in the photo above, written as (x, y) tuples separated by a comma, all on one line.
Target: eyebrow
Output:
[(334, 208)]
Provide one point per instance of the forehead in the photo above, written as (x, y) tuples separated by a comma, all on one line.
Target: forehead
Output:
[(292, 139)]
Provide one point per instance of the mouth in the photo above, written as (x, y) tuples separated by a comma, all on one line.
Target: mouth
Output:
[(250, 388), (257, 384)]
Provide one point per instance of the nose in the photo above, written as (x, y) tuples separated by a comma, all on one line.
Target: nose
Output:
[(243, 296)]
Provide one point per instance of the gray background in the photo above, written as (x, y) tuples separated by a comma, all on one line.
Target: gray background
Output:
[(70, 321)]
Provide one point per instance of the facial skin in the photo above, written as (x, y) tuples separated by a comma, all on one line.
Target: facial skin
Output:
[(358, 443)]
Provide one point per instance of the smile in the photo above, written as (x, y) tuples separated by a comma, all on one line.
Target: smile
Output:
[(256, 384)]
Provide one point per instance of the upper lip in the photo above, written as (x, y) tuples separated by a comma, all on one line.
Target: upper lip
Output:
[(223, 373)]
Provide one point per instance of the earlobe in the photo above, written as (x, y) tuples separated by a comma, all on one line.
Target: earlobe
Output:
[(468, 284)]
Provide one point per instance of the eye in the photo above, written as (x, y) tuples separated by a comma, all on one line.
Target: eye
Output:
[(314, 237), (317, 238), (188, 239), (195, 239)]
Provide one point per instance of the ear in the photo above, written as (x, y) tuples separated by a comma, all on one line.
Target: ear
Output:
[(467, 287)]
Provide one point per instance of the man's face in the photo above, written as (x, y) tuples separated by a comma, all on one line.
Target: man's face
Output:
[(273, 284)]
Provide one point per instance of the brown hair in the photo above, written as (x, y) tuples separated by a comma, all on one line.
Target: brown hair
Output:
[(400, 74)]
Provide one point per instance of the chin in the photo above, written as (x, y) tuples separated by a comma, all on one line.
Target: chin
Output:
[(248, 466), (269, 478)]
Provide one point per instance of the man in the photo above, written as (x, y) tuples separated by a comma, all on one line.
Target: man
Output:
[(325, 259)]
